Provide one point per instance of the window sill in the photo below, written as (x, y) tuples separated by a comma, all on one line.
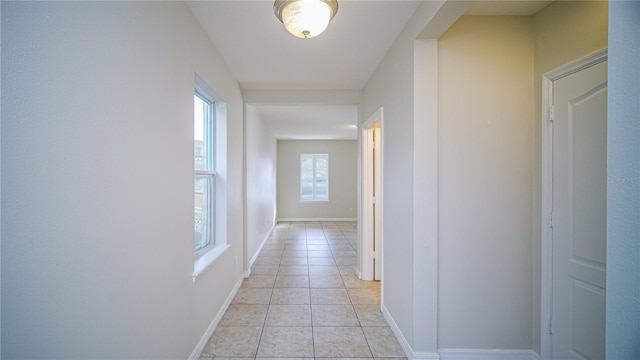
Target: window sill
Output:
[(204, 262), (313, 201)]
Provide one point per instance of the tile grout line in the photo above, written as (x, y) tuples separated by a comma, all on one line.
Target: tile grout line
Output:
[(313, 338), (342, 277)]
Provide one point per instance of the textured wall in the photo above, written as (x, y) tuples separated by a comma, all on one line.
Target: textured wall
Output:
[(623, 188)]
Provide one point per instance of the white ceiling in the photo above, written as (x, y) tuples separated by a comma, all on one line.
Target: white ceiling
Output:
[(263, 56), (504, 7), (301, 122)]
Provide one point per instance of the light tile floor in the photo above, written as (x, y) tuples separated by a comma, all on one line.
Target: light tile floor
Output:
[(304, 301)]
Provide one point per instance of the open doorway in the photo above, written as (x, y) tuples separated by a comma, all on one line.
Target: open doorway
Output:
[(371, 225)]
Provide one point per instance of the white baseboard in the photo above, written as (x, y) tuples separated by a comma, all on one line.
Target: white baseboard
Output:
[(425, 356), (487, 354), (195, 354), (403, 341), (247, 273), (457, 354), (317, 219)]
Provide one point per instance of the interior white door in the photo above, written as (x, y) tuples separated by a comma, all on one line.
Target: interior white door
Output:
[(377, 219), (579, 214)]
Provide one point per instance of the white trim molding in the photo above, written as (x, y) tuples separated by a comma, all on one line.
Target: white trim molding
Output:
[(197, 351), (456, 354), (546, 232), (247, 272), (396, 331), (204, 262), (316, 219), (425, 356), (488, 354), (403, 341), (367, 217)]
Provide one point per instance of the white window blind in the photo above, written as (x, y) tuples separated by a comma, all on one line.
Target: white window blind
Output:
[(314, 177)]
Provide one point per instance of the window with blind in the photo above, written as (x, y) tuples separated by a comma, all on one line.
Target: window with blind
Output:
[(314, 177)]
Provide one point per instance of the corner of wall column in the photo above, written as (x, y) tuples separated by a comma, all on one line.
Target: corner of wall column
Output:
[(425, 205)]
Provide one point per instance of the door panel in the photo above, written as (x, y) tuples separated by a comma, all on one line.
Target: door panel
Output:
[(579, 214), (588, 129), (587, 324)]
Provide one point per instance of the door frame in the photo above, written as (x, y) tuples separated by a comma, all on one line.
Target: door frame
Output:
[(546, 231), (366, 223)]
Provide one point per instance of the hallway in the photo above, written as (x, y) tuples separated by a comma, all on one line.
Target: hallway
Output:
[(303, 300)]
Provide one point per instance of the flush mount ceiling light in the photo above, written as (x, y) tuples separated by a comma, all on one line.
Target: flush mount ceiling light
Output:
[(305, 18)]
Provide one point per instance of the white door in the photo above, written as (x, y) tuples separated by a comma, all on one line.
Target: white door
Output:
[(377, 205), (579, 214), (371, 219)]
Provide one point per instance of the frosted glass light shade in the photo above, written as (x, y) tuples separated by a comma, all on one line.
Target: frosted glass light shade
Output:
[(305, 18)]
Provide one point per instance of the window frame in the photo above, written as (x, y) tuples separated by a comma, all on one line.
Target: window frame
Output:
[(209, 171), (314, 161)]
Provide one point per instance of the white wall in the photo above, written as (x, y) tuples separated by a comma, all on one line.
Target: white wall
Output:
[(97, 159), (261, 181), (342, 202), (391, 86), (485, 183), (623, 189), (406, 284)]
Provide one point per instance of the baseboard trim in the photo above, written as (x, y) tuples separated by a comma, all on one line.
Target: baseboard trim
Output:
[(425, 356), (403, 341), (487, 354), (456, 354), (195, 354), (317, 219), (247, 273)]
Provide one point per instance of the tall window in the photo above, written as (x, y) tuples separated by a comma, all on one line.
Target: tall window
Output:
[(204, 174), (314, 177)]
